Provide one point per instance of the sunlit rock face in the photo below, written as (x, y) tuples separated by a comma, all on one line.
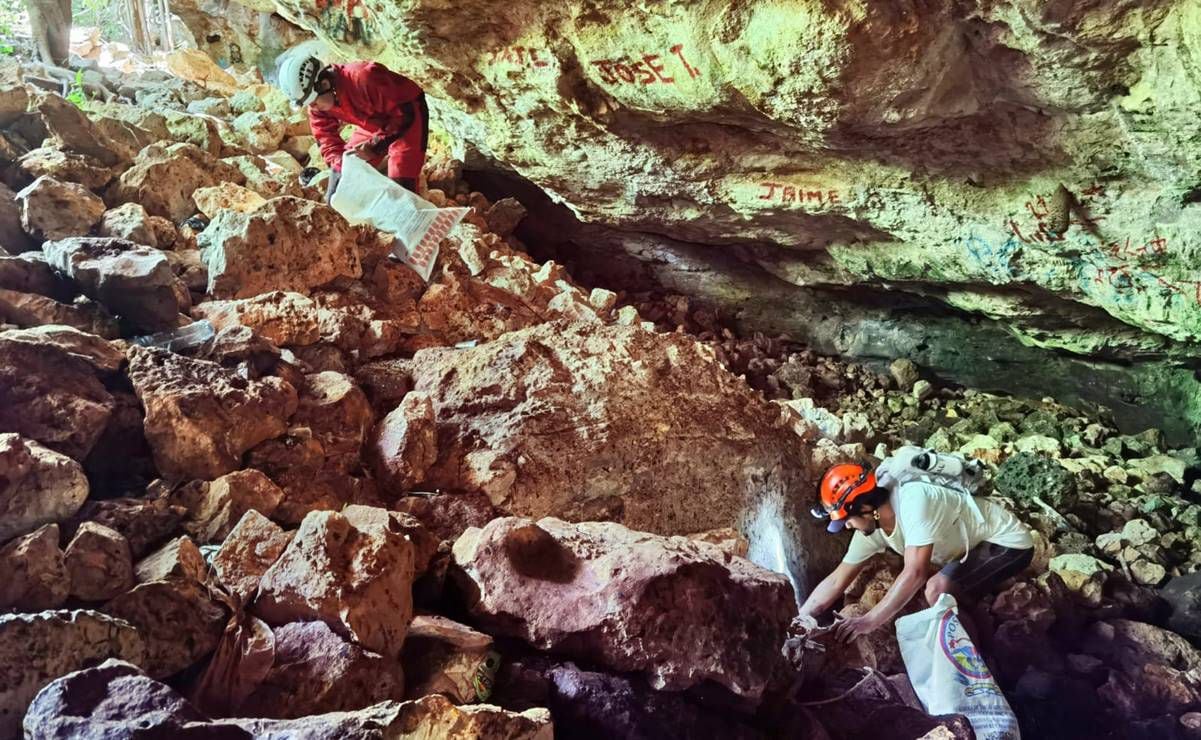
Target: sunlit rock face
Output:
[(1026, 161)]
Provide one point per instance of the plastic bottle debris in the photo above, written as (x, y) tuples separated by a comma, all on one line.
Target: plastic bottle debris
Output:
[(179, 340)]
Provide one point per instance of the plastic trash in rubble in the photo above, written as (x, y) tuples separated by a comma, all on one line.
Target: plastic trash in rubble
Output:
[(179, 340), (949, 675), (364, 196)]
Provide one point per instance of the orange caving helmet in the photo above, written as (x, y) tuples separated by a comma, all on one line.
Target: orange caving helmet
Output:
[(841, 486)]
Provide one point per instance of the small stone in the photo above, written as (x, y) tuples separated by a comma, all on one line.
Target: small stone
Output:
[(1083, 575), (223, 502), (1115, 474), (922, 390), (211, 201), (253, 546), (1139, 532), (51, 209), (1038, 443), (34, 576), (38, 486), (905, 372), (1147, 573), (982, 447), (286, 319), (352, 570), (99, 563), (404, 445)]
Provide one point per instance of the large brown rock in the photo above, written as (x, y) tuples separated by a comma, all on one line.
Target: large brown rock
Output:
[(143, 523), (297, 463), (352, 570), (37, 486), (316, 670), (67, 127), (132, 223), (65, 167), (287, 244), (1153, 671), (405, 445), (250, 549), (116, 701), (214, 508), (444, 657), (589, 422), (51, 209), (29, 273), (12, 237), (29, 310), (584, 589), (133, 281), (162, 179), (200, 418), (172, 608), (48, 395), (34, 575), (99, 563), (337, 412), (286, 319), (103, 355), (35, 649)]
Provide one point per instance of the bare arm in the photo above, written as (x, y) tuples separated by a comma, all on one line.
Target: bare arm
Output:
[(830, 589), (912, 578)]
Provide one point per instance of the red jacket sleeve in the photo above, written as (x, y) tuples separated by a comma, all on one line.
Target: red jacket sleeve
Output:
[(328, 132)]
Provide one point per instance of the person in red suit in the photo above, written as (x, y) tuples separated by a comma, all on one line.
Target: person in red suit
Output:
[(388, 112)]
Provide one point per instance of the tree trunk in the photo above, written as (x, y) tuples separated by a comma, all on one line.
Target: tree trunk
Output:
[(50, 21), (137, 23)]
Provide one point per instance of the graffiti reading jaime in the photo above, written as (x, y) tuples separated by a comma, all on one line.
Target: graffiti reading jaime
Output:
[(786, 194), (347, 21), (650, 69)]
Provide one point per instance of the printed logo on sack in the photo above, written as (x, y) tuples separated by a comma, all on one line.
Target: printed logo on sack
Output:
[(958, 648)]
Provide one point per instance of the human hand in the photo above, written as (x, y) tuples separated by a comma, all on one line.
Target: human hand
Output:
[(364, 149), (851, 627)]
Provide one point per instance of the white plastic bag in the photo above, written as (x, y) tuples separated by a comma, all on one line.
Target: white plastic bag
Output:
[(948, 673), (364, 196)]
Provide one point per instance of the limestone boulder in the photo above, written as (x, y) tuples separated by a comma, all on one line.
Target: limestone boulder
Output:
[(116, 700), (352, 570), (253, 546), (29, 273), (144, 523), (260, 132), (12, 236), (447, 515), (162, 179), (132, 223), (588, 422), (34, 575), (68, 128), (52, 209), (1083, 575), (444, 657), (1153, 671), (316, 670), (29, 310), (133, 281), (172, 608), (103, 355), (35, 649), (339, 416), (211, 201), (287, 244), (217, 107), (201, 418), (37, 486), (286, 319), (99, 563), (405, 445), (214, 508), (296, 462), (582, 589), (65, 167)]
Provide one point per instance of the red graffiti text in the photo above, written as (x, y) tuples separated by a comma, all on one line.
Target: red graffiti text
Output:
[(649, 69)]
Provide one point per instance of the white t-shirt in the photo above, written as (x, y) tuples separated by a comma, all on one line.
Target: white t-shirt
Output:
[(932, 515)]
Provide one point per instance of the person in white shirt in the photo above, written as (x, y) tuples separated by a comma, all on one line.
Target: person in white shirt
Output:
[(977, 543)]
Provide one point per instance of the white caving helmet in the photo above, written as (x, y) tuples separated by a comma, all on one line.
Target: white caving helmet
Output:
[(298, 78)]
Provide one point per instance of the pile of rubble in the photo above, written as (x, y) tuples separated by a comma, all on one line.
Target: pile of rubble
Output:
[(254, 475)]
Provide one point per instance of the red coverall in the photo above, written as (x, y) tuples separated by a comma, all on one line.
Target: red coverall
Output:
[(379, 103)]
